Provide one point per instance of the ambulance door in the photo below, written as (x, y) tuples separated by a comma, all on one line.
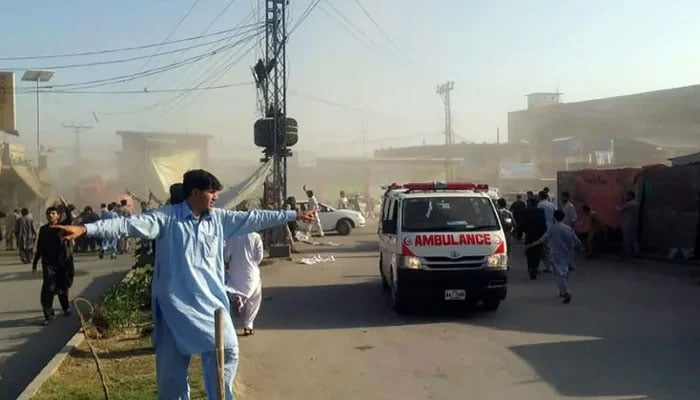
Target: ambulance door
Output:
[(388, 245)]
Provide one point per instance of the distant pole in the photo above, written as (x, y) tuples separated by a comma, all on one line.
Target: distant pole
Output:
[(77, 153), (38, 149), (444, 92), (498, 135)]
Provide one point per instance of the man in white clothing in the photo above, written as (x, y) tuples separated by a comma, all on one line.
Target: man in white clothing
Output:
[(312, 205), (242, 257), (548, 208), (567, 206)]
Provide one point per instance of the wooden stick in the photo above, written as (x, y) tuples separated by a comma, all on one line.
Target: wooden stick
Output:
[(219, 321)]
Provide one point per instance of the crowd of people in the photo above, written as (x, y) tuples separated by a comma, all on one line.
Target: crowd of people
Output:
[(550, 232)]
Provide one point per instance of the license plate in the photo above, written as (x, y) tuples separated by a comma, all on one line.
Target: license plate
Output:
[(455, 294)]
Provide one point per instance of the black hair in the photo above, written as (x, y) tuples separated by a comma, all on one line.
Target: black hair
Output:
[(177, 194), (199, 179), (586, 208), (519, 196), (565, 193), (501, 203), (310, 193), (559, 215), (87, 209), (25, 211), (111, 206), (543, 195), (50, 210), (103, 205), (123, 202), (631, 194), (546, 189)]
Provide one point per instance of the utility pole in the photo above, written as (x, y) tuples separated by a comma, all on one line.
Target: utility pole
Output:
[(77, 154), (444, 92), (271, 77)]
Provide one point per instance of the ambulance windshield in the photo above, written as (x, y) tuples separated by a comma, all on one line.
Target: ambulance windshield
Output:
[(448, 214)]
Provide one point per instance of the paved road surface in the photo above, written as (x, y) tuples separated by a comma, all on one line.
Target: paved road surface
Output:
[(25, 345), (631, 332)]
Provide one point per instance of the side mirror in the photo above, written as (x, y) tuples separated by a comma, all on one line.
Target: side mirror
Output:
[(389, 227)]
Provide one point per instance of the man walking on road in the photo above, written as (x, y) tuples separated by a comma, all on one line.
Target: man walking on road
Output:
[(314, 207), (10, 222), (630, 225), (548, 208), (188, 281), (518, 209), (562, 241), (569, 210), (57, 266), (242, 257), (109, 244), (26, 234)]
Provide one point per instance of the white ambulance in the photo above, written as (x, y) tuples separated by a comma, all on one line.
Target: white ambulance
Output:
[(442, 242)]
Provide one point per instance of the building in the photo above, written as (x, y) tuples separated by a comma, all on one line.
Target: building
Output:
[(629, 130), (152, 161), (506, 165), (20, 185)]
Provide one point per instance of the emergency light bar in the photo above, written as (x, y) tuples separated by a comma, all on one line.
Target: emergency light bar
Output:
[(445, 186)]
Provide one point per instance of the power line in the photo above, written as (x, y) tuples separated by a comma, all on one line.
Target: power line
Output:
[(130, 77), (350, 23), (125, 60), (203, 78), (117, 50), (148, 91), (345, 28), (312, 5), (219, 15), (364, 10), (184, 17)]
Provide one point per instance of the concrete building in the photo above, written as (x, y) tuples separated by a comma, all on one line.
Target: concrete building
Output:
[(636, 129)]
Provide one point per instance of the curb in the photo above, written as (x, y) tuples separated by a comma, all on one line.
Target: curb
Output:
[(55, 363), (51, 367)]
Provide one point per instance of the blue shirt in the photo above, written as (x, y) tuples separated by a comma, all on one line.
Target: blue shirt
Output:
[(188, 281), (109, 215), (562, 240)]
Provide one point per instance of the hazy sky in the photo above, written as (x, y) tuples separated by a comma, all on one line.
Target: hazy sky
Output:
[(494, 51)]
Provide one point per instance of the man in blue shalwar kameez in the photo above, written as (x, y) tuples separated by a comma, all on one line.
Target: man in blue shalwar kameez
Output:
[(561, 240), (188, 281)]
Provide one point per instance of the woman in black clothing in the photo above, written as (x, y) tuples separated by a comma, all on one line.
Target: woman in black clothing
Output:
[(534, 226), (57, 265)]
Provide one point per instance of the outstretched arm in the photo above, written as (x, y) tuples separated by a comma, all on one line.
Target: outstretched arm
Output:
[(242, 223), (144, 226)]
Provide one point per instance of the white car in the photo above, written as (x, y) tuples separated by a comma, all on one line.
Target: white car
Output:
[(341, 221)]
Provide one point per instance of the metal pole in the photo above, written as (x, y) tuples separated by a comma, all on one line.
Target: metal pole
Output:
[(38, 150)]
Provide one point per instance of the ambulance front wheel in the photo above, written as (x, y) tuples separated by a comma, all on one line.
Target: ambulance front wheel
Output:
[(385, 284), (491, 304), (398, 302)]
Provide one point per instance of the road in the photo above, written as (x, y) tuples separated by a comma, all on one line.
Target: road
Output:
[(326, 332), (25, 345)]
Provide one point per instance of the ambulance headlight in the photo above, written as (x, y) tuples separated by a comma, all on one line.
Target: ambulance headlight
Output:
[(411, 262), (498, 261)]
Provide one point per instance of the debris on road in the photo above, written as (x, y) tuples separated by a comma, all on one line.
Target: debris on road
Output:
[(317, 259)]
